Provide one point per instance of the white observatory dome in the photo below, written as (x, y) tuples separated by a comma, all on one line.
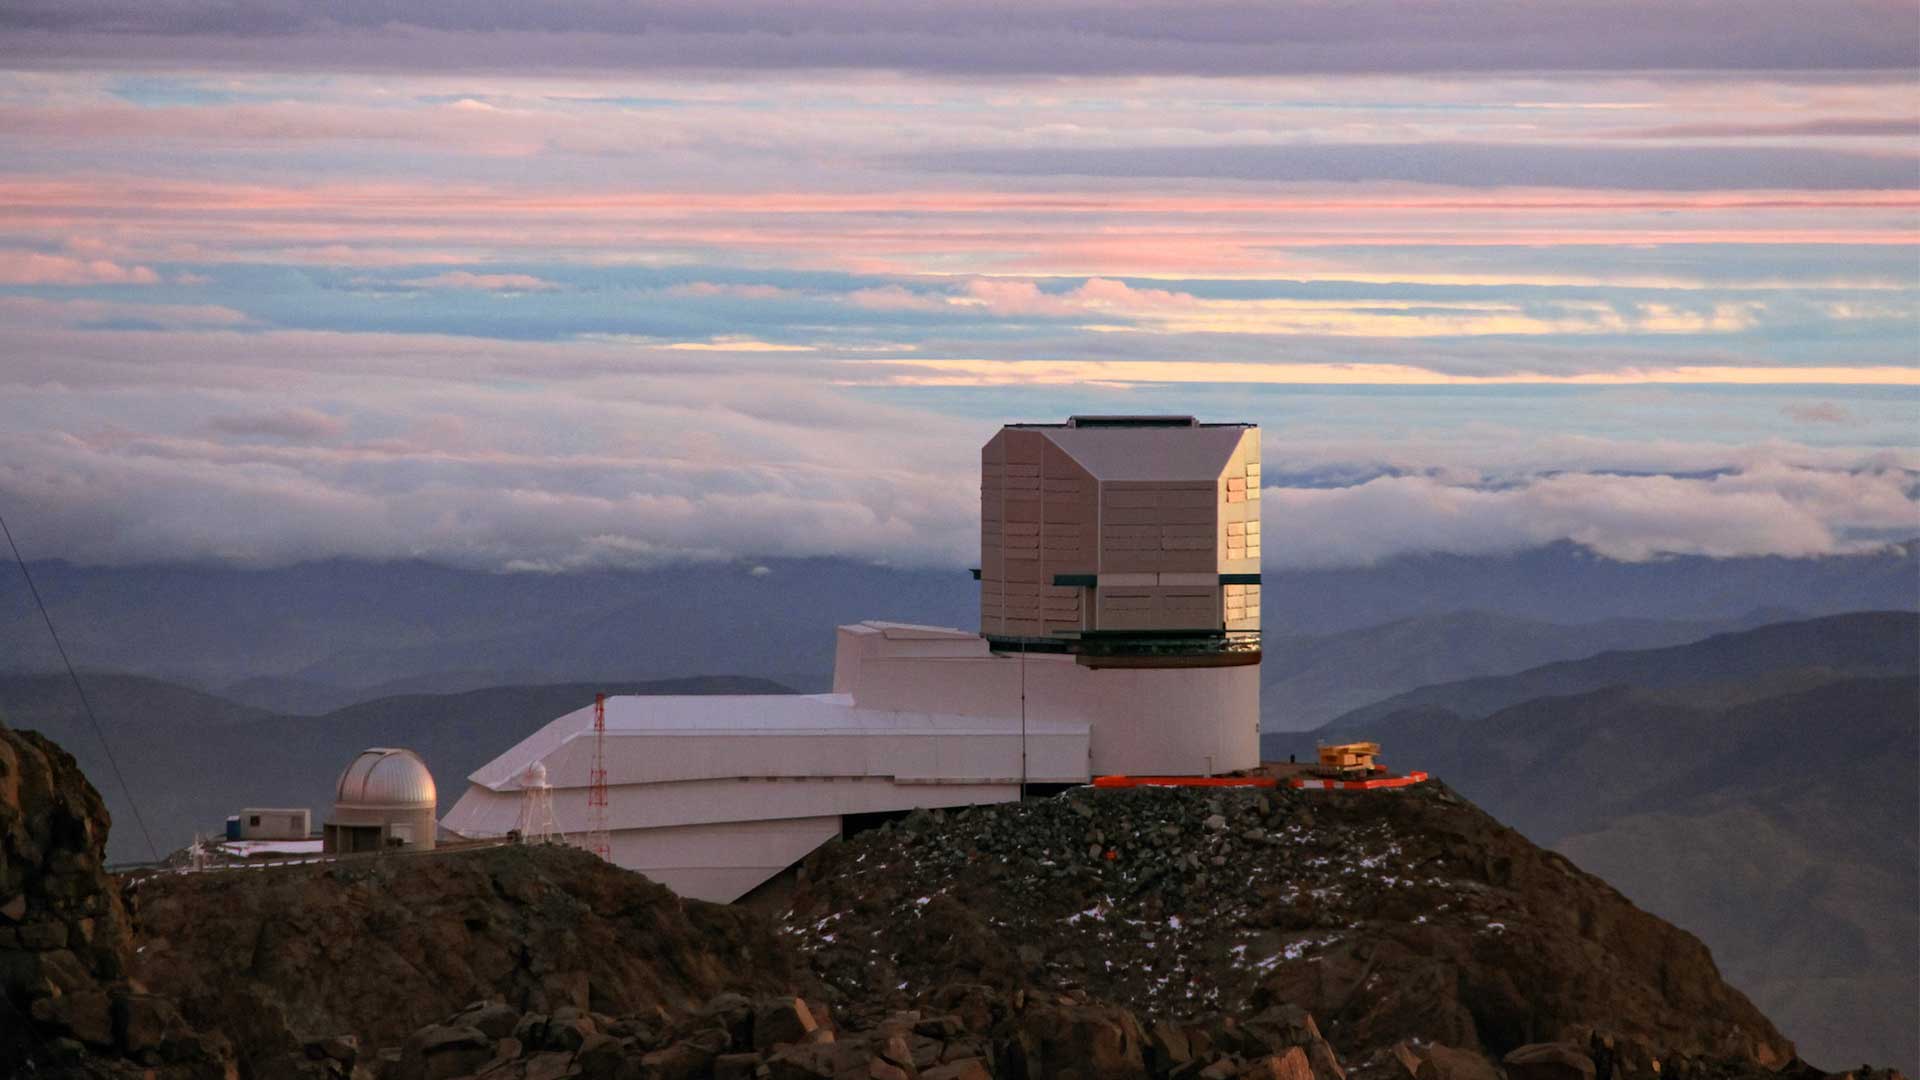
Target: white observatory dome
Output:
[(535, 776), (384, 776)]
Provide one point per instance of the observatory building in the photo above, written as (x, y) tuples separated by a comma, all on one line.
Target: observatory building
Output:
[(385, 799), (1119, 633)]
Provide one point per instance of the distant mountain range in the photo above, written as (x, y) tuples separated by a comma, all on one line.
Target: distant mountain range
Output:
[(1308, 680), (1782, 656), (192, 758), (310, 638), (1759, 788)]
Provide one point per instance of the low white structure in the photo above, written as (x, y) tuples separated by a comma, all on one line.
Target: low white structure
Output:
[(270, 823), (1120, 634), (713, 795)]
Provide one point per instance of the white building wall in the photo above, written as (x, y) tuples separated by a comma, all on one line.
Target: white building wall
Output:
[(1176, 721), (722, 861)]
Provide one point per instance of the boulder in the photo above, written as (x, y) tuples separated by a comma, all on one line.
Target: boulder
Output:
[(735, 1066), (1291, 1065), (978, 1008), (735, 1013), (1283, 1027), (1091, 1040), (441, 1051), (345, 1049), (781, 1020), (495, 1020), (964, 1069), (550, 1065), (1548, 1061), (1167, 1048), (1441, 1062), (684, 1060), (145, 1023), (85, 1015), (569, 1032), (599, 1058), (803, 1062)]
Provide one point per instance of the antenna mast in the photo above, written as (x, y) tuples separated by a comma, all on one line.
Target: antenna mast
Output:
[(597, 840)]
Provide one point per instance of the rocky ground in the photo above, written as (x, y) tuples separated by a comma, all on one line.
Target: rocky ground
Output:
[(375, 948), (1389, 915), (1129, 934)]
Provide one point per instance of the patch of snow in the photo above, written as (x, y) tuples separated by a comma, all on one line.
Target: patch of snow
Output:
[(1097, 912), (269, 847)]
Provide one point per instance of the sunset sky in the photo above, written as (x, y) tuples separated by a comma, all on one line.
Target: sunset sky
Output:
[(559, 285)]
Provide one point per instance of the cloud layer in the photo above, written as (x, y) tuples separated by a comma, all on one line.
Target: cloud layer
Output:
[(296, 280), (1770, 509), (1217, 37)]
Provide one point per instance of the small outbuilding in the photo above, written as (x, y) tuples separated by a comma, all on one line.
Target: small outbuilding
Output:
[(270, 823), (385, 800)]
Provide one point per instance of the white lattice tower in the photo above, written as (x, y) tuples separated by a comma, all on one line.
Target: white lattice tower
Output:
[(537, 824)]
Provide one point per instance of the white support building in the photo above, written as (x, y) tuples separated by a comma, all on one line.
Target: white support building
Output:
[(714, 795)]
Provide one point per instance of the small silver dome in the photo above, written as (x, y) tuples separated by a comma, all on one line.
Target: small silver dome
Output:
[(386, 776)]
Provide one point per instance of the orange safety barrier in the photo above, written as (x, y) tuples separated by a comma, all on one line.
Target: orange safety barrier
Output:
[(1182, 781)]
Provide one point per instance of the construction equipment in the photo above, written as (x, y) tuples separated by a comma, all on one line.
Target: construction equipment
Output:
[(1349, 761)]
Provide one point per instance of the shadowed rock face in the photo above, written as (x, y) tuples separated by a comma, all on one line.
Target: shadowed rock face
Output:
[(1388, 915), (66, 1005)]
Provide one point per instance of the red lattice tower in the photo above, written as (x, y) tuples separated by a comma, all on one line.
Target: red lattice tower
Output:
[(596, 839)]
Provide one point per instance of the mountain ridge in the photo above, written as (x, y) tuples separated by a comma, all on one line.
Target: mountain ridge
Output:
[(1865, 642), (359, 624)]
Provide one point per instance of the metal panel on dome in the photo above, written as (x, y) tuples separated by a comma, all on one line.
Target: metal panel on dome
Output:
[(386, 776)]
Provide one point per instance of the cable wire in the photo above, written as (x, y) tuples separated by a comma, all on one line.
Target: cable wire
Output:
[(78, 689)]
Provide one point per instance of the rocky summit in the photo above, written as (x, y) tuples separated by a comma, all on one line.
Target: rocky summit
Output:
[(1151, 933), (1389, 915)]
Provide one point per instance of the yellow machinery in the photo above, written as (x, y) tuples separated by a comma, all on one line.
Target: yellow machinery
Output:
[(1349, 761)]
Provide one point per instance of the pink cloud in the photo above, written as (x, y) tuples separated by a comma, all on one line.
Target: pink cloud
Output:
[(738, 292), (1821, 412), (38, 268), (1099, 235), (33, 310), (296, 425), (896, 298), (463, 279), (1096, 296)]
